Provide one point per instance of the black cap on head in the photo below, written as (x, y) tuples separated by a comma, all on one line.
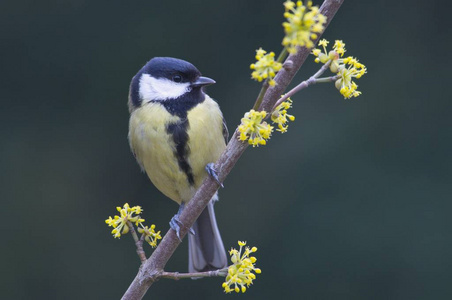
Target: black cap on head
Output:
[(168, 67)]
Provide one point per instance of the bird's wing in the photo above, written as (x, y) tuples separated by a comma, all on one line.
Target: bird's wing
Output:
[(225, 132)]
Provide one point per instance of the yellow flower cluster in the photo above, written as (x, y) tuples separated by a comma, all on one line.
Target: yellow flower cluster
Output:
[(239, 273), (119, 223), (304, 23), (265, 67), (280, 115), (128, 214), (254, 129), (345, 84), (345, 68), (150, 235)]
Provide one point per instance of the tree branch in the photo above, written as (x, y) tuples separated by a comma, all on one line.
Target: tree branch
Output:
[(153, 267)]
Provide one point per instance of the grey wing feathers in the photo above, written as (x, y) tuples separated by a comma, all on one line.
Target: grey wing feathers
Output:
[(225, 131)]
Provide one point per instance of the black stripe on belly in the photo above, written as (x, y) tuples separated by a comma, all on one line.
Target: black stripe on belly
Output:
[(180, 107), (179, 133)]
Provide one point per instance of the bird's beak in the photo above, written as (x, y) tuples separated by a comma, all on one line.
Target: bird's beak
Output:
[(203, 81)]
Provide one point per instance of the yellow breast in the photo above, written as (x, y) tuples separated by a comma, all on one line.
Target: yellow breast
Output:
[(155, 149)]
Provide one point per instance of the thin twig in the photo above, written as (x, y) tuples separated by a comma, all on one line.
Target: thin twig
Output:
[(177, 275), (312, 80), (138, 242), (282, 56), (327, 79), (153, 267), (264, 88)]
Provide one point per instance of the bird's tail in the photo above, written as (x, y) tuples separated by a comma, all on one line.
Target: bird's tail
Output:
[(205, 248)]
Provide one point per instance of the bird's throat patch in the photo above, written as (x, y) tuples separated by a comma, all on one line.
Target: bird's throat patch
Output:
[(179, 133)]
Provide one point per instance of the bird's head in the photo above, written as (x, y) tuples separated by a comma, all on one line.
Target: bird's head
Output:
[(165, 78)]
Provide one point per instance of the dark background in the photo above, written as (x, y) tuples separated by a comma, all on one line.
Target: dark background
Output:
[(352, 203)]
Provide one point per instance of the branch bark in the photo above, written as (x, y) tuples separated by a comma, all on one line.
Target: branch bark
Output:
[(138, 242), (152, 269)]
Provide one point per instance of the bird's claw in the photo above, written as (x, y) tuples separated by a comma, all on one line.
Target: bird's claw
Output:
[(192, 232), (212, 172), (174, 224)]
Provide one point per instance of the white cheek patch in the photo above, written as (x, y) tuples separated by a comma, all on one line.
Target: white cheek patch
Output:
[(161, 88)]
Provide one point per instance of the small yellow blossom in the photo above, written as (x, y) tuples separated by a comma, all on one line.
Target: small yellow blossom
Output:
[(280, 115), (345, 84), (304, 23), (345, 68), (323, 43), (119, 223), (240, 275), (150, 235), (266, 67), (339, 47), (325, 56), (254, 129)]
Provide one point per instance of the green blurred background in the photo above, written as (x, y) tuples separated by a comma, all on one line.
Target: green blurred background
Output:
[(353, 202)]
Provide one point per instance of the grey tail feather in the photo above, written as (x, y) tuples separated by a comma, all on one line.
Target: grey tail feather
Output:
[(205, 248)]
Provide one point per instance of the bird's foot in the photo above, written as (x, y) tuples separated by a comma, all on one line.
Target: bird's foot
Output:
[(213, 173), (176, 223)]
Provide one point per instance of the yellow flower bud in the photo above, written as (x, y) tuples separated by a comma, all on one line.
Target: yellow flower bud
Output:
[(334, 67), (338, 84)]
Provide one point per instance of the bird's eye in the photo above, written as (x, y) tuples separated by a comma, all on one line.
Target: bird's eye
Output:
[(177, 78)]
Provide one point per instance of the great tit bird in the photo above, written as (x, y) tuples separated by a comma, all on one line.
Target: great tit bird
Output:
[(176, 132)]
